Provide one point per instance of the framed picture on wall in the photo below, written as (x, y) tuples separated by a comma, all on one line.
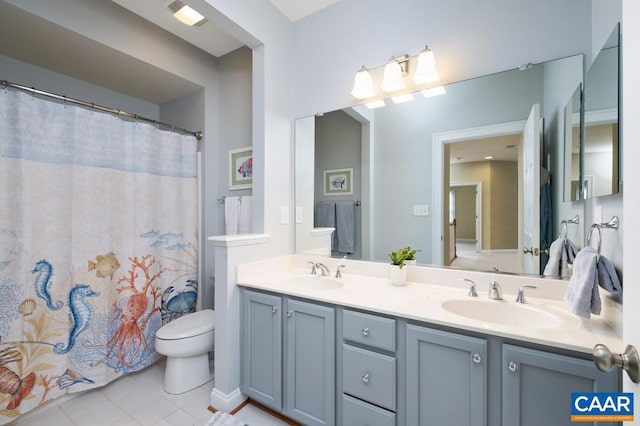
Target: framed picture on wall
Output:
[(338, 182), (241, 168)]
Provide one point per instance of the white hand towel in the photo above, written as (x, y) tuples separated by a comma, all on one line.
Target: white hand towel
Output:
[(244, 224), (555, 256), (231, 215), (582, 293)]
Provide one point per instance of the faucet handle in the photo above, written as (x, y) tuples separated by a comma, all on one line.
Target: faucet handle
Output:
[(338, 273), (313, 267), (520, 297), (472, 289)]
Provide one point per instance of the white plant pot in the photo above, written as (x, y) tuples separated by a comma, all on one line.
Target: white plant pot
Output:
[(410, 262), (398, 275)]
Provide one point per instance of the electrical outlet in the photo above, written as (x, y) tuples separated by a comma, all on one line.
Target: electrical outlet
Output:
[(421, 210), (284, 215)]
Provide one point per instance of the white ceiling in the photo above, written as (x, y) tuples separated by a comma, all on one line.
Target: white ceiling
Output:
[(501, 148), (298, 9)]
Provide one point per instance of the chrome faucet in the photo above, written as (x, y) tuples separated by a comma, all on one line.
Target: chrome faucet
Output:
[(495, 291), (472, 289), (338, 273), (520, 297), (323, 269)]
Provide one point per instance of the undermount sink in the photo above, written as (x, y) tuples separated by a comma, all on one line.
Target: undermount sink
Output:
[(507, 313), (313, 282)]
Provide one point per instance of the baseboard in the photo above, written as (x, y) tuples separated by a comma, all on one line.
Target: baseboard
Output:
[(226, 402)]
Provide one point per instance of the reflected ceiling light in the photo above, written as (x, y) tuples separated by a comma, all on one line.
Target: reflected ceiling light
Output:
[(488, 157), (426, 71), (186, 14), (392, 79), (434, 91), (363, 85), (375, 104), (402, 98)]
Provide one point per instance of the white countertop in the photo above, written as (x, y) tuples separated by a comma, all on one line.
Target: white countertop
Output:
[(365, 286)]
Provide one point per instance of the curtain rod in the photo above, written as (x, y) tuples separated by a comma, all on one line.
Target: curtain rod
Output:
[(198, 135)]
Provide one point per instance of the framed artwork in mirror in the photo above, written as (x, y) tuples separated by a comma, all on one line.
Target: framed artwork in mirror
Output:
[(338, 182), (241, 168)]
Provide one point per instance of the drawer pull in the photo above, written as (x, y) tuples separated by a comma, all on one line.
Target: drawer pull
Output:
[(289, 313), (365, 378), (477, 359), (513, 367), (365, 331)]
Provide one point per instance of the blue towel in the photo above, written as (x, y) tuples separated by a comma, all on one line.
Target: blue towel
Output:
[(608, 277), (582, 293), (326, 218), (346, 226)]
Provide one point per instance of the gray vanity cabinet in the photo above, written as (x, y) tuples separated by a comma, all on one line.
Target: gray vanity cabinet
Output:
[(446, 378), (310, 363), (537, 386), (279, 331), (261, 373)]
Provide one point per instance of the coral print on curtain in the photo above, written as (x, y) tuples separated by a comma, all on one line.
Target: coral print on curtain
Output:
[(98, 246)]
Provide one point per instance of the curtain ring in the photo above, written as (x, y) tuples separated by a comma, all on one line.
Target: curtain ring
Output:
[(598, 228)]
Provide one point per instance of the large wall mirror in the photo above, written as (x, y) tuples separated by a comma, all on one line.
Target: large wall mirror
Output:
[(405, 174)]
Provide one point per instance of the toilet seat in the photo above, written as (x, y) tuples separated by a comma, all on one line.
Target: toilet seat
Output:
[(189, 325)]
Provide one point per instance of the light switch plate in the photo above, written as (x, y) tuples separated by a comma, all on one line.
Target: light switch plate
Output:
[(298, 214), (284, 215), (421, 210)]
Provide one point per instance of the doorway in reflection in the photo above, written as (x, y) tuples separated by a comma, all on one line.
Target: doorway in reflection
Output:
[(483, 203)]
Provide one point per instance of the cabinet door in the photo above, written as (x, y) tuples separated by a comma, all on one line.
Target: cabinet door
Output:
[(310, 363), (537, 386), (446, 378), (262, 348)]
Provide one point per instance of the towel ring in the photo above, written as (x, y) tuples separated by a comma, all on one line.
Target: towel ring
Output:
[(599, 229), (575, 220)]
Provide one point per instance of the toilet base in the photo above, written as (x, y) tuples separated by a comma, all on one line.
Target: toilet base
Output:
[(185, 373)]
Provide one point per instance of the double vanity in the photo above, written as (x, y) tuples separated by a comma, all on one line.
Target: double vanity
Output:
[(356, 350)]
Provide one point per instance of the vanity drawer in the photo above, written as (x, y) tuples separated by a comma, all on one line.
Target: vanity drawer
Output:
[(359, 413), (369, 375), (375, 331)]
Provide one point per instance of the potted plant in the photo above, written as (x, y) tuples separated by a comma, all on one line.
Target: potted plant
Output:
[(397, 271), (410, 255)]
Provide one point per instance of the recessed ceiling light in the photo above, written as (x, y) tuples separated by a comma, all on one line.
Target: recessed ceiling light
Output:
[(488, 157), (186, 14)]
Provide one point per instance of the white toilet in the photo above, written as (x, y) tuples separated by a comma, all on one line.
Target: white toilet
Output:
[(187, 342)]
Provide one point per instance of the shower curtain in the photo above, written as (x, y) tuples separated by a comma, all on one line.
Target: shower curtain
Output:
[(98, 246)]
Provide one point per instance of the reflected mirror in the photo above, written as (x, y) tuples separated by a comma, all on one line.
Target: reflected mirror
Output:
[(572, 138), (440, 174), (600, 150)]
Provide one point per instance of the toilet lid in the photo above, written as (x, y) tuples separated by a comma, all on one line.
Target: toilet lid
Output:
[(188, 325)]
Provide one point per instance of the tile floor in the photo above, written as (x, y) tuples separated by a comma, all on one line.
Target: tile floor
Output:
[(137, 399)]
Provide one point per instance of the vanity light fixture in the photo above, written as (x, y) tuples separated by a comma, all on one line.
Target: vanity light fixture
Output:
[(393, 78), (396, 70), (186, 14), (426, 71), (363, 85)]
